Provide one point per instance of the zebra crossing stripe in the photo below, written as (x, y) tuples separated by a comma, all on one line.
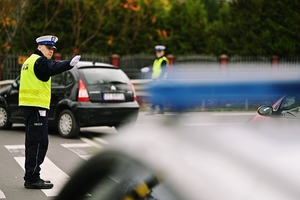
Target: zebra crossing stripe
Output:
[(73, 147), (2, 196), (88, 141), (49, 170)]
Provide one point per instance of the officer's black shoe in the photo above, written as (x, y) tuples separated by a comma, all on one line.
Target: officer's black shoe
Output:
[(46, 181), (39, 184)]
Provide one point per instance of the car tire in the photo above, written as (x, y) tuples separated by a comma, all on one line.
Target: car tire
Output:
[(4, 119), (67, 125)]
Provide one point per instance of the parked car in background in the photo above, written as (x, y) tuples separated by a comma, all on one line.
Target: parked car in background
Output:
[(285, 108), (90, 94)]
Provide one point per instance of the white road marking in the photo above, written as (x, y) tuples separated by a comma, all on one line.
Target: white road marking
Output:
[(49, 170), (69, 145), (2, 196), (10, 147), (88, 141), (235, 114), (73, 147), (101, 140), (211, 124)]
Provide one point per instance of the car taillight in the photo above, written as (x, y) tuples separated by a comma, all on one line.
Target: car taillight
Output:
[(83, 95), (134, 93)]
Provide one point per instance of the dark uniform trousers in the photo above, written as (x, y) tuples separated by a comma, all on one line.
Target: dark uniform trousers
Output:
[(36, 141), (158, 100)]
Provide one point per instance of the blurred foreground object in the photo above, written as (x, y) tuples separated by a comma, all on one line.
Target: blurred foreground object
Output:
[(229, 163), (208, 162), (185, 86)]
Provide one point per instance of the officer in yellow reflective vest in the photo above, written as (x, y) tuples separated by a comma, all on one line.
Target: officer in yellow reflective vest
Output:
[(159, 72), (34, 102)]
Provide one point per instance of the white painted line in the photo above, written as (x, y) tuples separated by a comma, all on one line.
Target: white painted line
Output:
[(96, 127), (2, 196), (20, 146), (76, 145), (211, 124), (88, 141), (86, 157), (49, 172), (101, 140), (234, 114)]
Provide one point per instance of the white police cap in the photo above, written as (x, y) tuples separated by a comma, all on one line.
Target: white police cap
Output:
[(49, 40), (160, 48)]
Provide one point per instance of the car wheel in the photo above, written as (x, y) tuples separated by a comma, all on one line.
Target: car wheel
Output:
[(67, 125), (4, 122)]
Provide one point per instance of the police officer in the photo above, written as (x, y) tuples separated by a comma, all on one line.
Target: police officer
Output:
[(34, 102), (159, 72)]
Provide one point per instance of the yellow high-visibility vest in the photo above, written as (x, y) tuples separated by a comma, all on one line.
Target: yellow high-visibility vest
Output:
[(157, 67), (33, 92)]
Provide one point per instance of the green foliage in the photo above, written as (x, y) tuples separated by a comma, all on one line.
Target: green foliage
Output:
[(187, 24), (256, 27), (242, 27)]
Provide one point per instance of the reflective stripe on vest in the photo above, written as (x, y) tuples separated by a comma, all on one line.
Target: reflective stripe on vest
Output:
[(157, 67), (33, 92)]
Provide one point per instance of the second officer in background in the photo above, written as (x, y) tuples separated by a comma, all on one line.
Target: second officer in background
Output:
[(159, 72)]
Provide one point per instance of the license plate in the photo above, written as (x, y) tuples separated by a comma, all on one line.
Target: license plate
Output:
[(113, 96)]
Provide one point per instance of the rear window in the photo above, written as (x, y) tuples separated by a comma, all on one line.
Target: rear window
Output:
[(94, 76)]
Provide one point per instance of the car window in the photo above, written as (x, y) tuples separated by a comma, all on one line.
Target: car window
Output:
[(56, 80), (277, 104), (103, 75), (290, 102), (290, 106), (69, 78)]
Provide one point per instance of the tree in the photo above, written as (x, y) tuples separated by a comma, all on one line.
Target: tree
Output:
[(256, 27), (280, 28), (133, 26), (187, 23), (11, 14), (35, 23), (244, 27), (75, 22), (88, 19)]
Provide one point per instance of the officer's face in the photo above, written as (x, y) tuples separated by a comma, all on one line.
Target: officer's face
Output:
[(46, 50), (159, 53)]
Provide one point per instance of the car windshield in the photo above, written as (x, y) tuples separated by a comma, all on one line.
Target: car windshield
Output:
[(94, 76)]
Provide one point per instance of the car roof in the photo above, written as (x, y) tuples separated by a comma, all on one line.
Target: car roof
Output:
[(90, 63)]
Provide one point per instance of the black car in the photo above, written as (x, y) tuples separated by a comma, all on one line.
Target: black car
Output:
[(90, 94)]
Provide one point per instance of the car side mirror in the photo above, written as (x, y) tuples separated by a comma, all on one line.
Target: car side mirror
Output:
[(265, 110), (15, 85)]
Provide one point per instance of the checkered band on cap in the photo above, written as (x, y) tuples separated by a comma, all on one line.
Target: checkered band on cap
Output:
[(49, 40)]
